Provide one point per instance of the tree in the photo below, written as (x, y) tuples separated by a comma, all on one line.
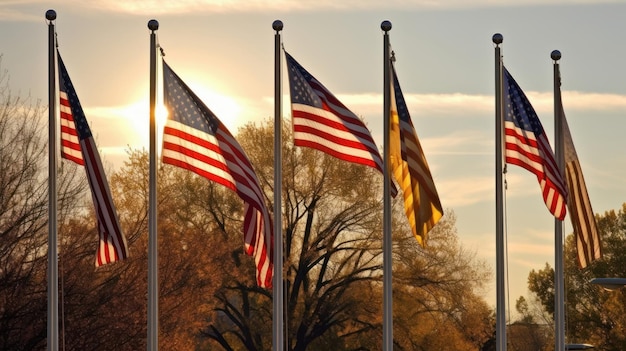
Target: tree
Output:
[(191, 250), (438, 289), (102, 308), (527, 334), (330, 248), (593, 316), (106, 308), (208, 296), (24, 219), (333, 265)]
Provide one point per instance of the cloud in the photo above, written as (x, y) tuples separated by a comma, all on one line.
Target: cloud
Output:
[(8, 14), (282, 6), (459, 104), (158, 7), (456, 192), (456, 143)]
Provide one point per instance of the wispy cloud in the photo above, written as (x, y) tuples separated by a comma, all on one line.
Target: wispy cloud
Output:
[(273, 6), (157, 7), (12, 11), (456, 143), (456, 192), (459, 104)]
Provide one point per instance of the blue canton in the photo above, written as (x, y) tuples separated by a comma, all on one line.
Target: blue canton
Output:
[(185, 106), (300, 84), (517, 107), (80, 121), (403, 112)]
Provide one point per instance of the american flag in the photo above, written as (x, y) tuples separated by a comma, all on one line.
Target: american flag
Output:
[(78, 145), (408, 163), (527, 146), (588, 244), (322, 122), (195, 139)]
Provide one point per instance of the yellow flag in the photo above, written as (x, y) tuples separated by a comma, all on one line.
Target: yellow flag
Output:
[(588, 246), (410, 169)]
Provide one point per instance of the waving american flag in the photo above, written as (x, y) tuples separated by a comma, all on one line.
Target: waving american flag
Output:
[(196, 140), (527, 146), (322, 122), (77, 145)]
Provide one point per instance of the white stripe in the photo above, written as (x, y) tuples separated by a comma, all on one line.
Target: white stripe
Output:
[(323, 93), (346, 150), (73, 152), (517, 155), (348, 135), (65, 109), (234, 168), (198, 164), (95, 169), (69, 137)]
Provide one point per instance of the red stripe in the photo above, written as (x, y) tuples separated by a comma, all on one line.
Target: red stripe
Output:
[(177, 148), (335, 153), (104, 204), (235, 163), (231, 153), (330, 137), (197, 170), (306, 115), (209, 161), (73, 158)]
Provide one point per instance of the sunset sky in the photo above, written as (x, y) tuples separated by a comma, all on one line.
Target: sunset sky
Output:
[(224, 50)]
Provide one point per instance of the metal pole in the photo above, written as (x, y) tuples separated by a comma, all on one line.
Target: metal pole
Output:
[(278, 339), (153, 258), (500, 264), (559, 296), (53, 264), (387, 240)]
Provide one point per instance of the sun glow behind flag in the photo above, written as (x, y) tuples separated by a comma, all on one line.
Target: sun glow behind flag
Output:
[(527, 146), (196, 140), (77, 145)]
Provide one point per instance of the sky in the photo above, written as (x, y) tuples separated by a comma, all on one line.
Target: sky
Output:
[(224, 50)]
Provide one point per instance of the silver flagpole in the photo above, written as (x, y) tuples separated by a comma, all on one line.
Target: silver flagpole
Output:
[(559, 296), (153, 249), (53, 264), (500, 268), (387, 240), (278, 340)]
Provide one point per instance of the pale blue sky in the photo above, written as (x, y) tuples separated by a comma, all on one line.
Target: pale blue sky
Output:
[(445, 62)]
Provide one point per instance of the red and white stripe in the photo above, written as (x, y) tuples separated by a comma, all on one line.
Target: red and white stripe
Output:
[(70, 147), (220, 158), (522, 148)]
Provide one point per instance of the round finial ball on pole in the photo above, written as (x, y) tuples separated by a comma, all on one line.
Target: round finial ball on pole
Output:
[(51, 15), (556, 55), (386, 26), (277, 25), (497, 38), (153, 24)]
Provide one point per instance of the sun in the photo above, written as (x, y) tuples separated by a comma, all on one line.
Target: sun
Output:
[(138, 115), (226, 108)]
